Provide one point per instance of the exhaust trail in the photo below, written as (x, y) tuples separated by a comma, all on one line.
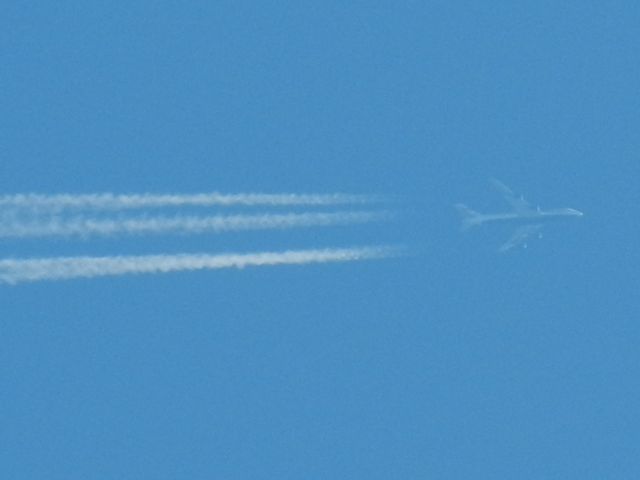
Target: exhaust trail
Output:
[(85, 227), (110, 201), (13, 271)]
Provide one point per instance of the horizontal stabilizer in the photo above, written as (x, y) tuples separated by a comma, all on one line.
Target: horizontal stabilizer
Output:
[(470, 217)]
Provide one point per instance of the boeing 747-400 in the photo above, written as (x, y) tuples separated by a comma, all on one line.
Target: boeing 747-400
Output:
[(530, 219)]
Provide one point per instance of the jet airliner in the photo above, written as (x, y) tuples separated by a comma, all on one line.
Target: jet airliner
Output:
[(530, 219)]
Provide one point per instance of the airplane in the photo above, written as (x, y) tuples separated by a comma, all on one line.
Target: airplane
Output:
[(530, 219)]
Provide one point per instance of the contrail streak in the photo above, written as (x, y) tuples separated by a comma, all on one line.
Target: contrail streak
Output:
[(79, 226), (13, 271), (110, 201)]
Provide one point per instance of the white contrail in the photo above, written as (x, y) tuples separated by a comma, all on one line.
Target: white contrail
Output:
[(80, 226), (110, 201), (13, 271)]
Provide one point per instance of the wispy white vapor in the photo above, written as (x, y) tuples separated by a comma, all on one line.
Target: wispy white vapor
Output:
[(110, 201), (14, 271), (82, 226)]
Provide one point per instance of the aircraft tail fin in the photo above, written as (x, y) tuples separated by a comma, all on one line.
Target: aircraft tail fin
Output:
[(470, 218)]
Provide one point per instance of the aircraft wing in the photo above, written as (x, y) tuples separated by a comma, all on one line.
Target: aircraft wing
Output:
[(520, 236), (519, 204)]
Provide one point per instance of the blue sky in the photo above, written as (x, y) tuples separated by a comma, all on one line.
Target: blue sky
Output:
[(454, 362)]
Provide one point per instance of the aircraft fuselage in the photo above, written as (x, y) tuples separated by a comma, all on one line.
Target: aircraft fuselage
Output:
[(532, 216)]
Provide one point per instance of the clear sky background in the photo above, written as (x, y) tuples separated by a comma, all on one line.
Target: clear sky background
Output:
[(455, 362)]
